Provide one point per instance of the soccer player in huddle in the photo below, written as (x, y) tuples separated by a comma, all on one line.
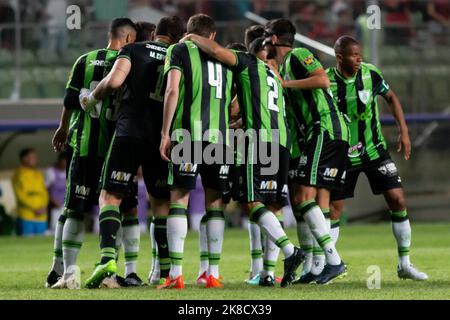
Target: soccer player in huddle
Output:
[(263, 190), (196, 115), (87, 134), (323, 162), (135, 143), (356, 86)]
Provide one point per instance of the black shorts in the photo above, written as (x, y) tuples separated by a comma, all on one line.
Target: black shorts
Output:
[(257, 186), (125, 156), (293, 170), (183, 174), (381, 173), (232, 191), (82, 190), (323, 163)]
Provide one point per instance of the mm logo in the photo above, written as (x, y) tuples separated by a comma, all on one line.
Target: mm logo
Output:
[(224, 170), (331, 172), (188, 167), (268, 185), (285, 189), (120, 176), (82, 190)]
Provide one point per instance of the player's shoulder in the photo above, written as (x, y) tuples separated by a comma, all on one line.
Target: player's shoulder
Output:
[(370, 67), (330, 72), (301, 53), (179, 47)]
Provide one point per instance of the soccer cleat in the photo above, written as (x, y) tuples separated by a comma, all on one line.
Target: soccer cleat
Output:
[(177, 283), (254, 281), (60, 284), (213, 282), (202, 279), (154, 278), (306, 278), (267, 281), (133, 280), (52, 278), (330, 273), (291, 264), (113, 282), (101, 272), (278, 279), (410, 272)]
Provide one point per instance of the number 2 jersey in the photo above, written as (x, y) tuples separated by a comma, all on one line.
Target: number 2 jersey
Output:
[(141, 109), (90, 133)]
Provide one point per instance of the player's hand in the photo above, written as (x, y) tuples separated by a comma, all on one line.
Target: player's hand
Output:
[(59, 140), (186, 38), (87, 100), (164, 148), (236, 124), (404, 143)]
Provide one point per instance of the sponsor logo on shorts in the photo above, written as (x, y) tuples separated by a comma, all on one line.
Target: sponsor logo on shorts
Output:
[(285, 189), (161, 183), (331, 172), (224, 170), (388, 169), (293, 173), (82, 191), (121, 176), (268, 185), (188, 167)]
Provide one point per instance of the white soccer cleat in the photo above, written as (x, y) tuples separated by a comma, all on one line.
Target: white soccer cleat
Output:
[(110, 283), (60, 284), (410, 272), (154, 277), (73, 281)]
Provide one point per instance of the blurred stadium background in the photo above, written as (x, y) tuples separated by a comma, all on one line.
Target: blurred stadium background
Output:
[(412, 49)]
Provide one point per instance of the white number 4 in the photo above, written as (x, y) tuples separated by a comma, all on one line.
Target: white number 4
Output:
[(215, 77)]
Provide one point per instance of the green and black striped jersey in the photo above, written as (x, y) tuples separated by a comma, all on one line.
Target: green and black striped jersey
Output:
[(295, 134), (314, 109), (261, 99), (90, 133), (204, 94), (357, 98)]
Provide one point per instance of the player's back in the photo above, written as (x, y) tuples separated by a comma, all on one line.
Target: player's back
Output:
[(205, 92), (141, 110)]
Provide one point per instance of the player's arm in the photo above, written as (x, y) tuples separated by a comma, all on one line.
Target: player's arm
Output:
[(113, 81), (396, 109), (60, 137), (317, 79), (170, 105), (213, 49), (235, 118)]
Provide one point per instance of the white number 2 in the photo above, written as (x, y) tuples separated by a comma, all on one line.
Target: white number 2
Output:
[(273, 94), (215, 77)]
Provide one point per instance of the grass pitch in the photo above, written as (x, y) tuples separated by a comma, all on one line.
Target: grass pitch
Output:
[(24, 263)]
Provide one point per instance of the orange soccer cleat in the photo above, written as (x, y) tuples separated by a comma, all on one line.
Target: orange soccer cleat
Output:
[(213, 282), (202, 279), (177, 283)]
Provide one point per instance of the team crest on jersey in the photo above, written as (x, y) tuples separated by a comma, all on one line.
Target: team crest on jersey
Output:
[(364, 96), (308, 61)]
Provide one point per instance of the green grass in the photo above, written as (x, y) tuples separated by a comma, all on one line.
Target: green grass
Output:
[(24, 264)]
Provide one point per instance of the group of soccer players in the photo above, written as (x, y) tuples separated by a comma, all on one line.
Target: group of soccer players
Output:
[(168, 101)]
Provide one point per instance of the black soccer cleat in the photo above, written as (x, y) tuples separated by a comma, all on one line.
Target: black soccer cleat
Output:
[(267, 281), (306, 278), (291, 265), (332, 272), (52, 278), (132, 280)]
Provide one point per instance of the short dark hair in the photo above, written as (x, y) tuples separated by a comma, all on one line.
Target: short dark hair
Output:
[(201, 24), (342, 43), (24, 152), (283, 28), (237, 46), (252, 33), (172, 27), (256, 46), (119, 23), (144, 30)]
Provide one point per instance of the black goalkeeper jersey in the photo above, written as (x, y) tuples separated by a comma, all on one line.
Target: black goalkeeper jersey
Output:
[(141, 109)]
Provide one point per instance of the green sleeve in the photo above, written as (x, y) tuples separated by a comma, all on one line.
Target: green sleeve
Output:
[(307, 59)]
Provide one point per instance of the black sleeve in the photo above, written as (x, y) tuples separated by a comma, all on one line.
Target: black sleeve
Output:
[(72, 100), (76, 78), (243, 60), (125, 52)]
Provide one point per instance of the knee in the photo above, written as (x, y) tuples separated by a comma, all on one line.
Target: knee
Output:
[(397, 202), (336, 209)]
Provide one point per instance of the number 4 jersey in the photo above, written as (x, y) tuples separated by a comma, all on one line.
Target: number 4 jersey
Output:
[(205, 94), (141, 108), (91, 133)]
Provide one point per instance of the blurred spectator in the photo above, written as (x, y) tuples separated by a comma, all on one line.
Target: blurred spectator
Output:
[(196, 208), (398, 22), (55, 180), (439, 13), (55, 37), (31, 194), (6, 16), (140, 10), (342, 19), (106, 10), (142, 207), (270, 9)]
